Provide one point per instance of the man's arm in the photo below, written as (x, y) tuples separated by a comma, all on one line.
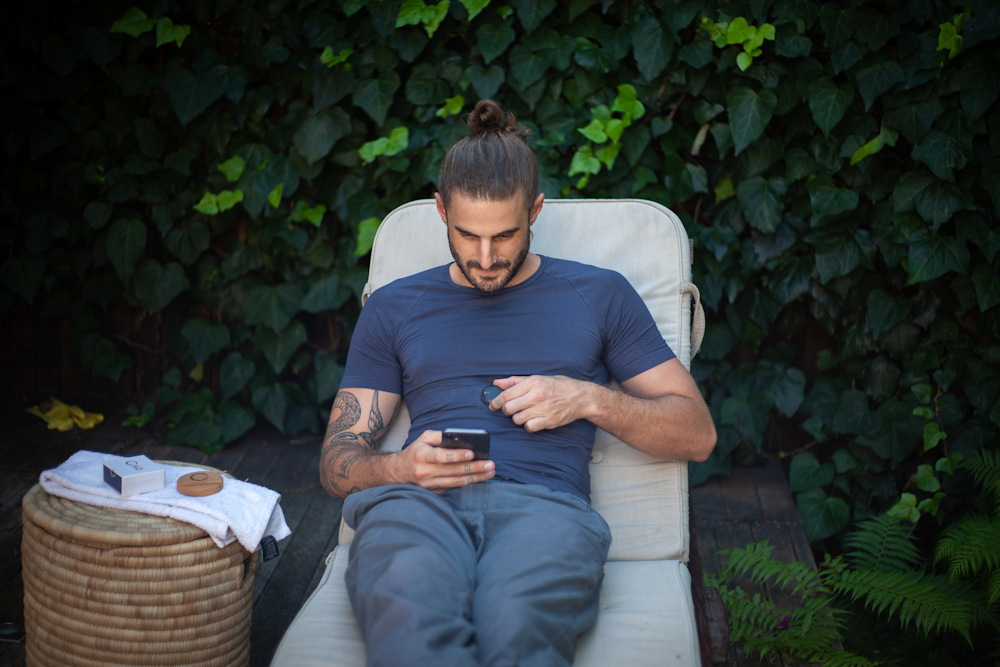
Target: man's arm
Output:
[(660, 412), (350, 460)]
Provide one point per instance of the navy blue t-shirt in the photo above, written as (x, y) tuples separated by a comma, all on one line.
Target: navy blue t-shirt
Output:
[(438, 344)]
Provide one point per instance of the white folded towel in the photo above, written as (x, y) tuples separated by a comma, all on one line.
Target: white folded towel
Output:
[(241, 511)]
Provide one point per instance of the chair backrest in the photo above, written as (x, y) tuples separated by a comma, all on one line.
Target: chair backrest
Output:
[(643, 499)]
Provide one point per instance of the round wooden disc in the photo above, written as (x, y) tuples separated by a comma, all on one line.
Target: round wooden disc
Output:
[(200, 484)]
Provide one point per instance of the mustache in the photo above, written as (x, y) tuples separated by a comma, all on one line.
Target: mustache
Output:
[(502, 264)]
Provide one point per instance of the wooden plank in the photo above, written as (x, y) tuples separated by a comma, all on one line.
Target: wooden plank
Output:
[(776, 501), (708, 501), (331, 544), (47, 350), (740, 495), (288, 586), (291, 467), (708, 548)]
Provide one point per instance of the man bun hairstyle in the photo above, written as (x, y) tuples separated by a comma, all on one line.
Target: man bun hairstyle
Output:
[(493, 163)]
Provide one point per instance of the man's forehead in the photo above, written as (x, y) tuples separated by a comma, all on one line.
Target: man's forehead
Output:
[(481, 216)]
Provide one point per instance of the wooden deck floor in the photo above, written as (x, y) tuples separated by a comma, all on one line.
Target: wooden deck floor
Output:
[(751, 505)]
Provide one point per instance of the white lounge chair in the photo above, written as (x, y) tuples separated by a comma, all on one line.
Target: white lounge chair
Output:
[(647, 613)]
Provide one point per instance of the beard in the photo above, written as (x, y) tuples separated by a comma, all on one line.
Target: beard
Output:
[(490, 285)]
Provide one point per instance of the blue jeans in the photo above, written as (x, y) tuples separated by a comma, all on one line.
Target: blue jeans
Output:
[(494, 573)]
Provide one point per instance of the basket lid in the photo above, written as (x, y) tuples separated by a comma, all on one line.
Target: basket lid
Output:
[(104, 526)]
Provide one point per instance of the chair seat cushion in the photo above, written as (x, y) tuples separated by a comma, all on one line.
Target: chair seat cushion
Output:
[(646, 618)]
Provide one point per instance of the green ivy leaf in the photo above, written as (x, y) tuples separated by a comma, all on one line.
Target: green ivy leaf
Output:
[(761, 203), (318, 133), (652, 47), (134, 22), (493, 39), (236, 420), (877, 78), (532, 12), (328, 376), (932, 436), (234, 374), (941, 153), (828, 102), (272, 401), (271, 307), (527, 66), (232, 168), (748, 415), (327, 293), (474, 7), (987, 287), (366, 236), (823, 516), (789, 391), (22, 276), (189, 94), (926, 481), (208, 204), (885, 311), (188, 242), (157, 285), (486, 81), (914, 120), (906, 508), (205, 339), (279, 346), (806, 473), (167, 32), (274, 197), (933, 256), (749, 113), (375, 95), (228, 199), (980, 87), (853, 417), (125, 245)]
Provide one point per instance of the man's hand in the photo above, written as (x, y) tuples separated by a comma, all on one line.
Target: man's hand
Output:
[(541, 401), (430, 466)]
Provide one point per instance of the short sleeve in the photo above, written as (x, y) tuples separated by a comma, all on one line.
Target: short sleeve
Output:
[(633, 344), (372, 362)]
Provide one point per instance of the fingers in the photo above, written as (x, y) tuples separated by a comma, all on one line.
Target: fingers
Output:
[(513, 387), (452, 475), (443, 455), (432, 438)]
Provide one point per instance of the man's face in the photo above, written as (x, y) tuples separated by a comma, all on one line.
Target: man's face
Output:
[(489, 239)]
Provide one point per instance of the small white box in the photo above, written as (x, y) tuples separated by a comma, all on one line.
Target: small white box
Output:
[(137, 474)]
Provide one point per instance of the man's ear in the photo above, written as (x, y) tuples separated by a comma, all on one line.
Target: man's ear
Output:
[(440, 207), (536, 208)]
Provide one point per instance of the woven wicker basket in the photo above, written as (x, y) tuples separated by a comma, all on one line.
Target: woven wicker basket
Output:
[(110, 588)]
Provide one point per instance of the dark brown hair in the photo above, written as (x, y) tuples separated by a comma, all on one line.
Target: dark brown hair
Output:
[(494, 162)]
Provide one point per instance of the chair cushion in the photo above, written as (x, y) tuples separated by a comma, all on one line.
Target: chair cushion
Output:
[(643, 499), (646, 618)]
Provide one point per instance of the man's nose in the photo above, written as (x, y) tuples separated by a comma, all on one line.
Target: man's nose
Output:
[(486, 254)]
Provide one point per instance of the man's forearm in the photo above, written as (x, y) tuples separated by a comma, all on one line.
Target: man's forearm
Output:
[(669, 427), (351, 461)]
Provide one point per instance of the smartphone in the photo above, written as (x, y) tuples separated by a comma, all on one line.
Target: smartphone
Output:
[(476, 439)]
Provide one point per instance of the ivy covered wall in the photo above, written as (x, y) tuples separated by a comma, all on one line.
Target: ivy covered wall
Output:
[(220, 167)]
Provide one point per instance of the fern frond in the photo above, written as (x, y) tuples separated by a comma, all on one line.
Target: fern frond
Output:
[(985, 468), (970, 545), (882, 543), (911, 598), (749, 617), (755, 562), (993, 587)]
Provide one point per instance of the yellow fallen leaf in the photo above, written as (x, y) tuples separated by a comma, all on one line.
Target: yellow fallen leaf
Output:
[(62, 417)]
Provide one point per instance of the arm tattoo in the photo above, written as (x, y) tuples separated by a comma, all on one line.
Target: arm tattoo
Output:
[(342, 448)]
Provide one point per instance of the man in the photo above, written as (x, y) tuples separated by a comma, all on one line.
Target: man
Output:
[(461, 562)]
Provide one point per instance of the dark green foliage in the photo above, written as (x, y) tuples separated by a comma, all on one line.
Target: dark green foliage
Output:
[(840, 182)]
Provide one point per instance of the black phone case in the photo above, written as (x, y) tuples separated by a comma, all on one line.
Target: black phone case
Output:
[(479, 444)]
